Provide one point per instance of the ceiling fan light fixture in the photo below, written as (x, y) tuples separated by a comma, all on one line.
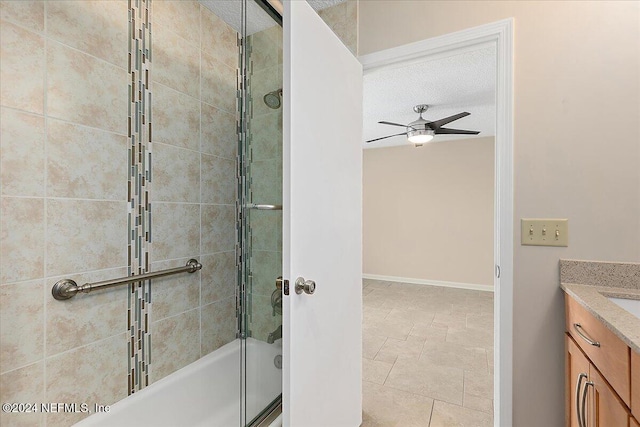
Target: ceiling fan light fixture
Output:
[(420, 136)]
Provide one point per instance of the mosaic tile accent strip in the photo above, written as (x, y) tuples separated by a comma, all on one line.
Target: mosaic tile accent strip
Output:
[(139, 131), (243, 163)]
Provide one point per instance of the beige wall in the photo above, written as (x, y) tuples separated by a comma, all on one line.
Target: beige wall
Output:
[(577, 153), (428, 211)]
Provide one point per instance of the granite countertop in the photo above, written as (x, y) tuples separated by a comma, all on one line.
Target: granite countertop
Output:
[(591, 291)]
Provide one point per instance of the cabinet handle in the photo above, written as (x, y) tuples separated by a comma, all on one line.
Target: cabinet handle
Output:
[(578, 386), (578, 328), (584, 402)]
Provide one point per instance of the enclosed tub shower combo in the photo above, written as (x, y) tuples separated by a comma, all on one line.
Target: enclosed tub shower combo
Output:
[(163, 192), (147, 179)]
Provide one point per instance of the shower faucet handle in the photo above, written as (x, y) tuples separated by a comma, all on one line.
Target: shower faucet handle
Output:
[(306, 286), (279, 282)]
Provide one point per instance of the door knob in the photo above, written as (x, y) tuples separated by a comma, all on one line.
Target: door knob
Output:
[(306, 286)]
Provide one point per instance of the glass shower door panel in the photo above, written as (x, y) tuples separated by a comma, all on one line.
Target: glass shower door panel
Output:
[(262, 221)]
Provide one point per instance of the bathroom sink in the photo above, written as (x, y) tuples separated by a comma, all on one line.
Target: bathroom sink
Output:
[(631, 305)]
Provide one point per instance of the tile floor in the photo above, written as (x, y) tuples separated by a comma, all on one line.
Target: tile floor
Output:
[(427, 356)]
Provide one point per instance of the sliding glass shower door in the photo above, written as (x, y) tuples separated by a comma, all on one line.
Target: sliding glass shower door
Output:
[(260, 207)]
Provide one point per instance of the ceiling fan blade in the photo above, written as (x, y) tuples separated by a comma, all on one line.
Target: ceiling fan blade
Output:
[(394, 124), (442, 122), (385, 137), (448, 131)]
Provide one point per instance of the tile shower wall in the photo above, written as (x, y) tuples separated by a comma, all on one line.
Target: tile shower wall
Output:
[(343, 20), (194, 183), (63, 186)]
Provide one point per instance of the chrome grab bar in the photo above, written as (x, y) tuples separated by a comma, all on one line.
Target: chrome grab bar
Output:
[(67, 288), (265, 207), (578, 327)]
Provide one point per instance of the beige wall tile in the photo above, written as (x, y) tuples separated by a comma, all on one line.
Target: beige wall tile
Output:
[(266, 181), (29, 14), (219, 276), (85, 163), (175, 294), (264, 81), (86, 90), (218, 324), (176, 118), (266, 48), (219, 132), (99, 28), (85, 318), (21, 246), (176, 343), (266, 266), (22, 385), (181, 17), (218, 38), (22, 71), (21, 154), (219, 181), (96, 373), (21, 324), (176, 174), (266, 136), (343, 20), (176, 62), (266, 230), (175, 231), (218, 84), (85, 236), (218, 228)]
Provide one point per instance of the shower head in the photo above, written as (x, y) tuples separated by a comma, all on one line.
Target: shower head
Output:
[(272, 99)]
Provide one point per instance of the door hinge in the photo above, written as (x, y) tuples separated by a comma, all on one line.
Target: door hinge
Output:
[(498, 271)]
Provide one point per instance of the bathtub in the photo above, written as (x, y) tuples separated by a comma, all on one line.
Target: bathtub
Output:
[(204, 393)]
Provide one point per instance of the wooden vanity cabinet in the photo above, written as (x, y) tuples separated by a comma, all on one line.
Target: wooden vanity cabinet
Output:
[(590, 399), (603, 374)]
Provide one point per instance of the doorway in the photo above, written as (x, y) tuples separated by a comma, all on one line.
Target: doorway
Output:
[(500, 36)]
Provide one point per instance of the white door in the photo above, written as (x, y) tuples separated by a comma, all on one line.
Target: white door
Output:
[(322, 227)]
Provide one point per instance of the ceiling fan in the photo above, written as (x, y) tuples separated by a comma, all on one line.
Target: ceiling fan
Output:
[(421, 131)]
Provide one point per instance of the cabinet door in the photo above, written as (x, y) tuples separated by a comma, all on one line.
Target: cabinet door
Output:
[(635, 384), (577, 376), (633, 422), (606, 407)]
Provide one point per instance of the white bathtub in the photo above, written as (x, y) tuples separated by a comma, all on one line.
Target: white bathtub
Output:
[(204, 393)]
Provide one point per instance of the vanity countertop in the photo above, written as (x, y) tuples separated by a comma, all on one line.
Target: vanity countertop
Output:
[(594, 298)]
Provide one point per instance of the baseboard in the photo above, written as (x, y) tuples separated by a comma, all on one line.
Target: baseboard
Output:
[(472, 286)]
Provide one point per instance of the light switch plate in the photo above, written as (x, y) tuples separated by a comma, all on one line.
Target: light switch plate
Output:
[(544, 231)]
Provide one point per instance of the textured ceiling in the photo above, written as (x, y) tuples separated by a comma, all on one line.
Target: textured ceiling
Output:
[(257, 19), (464, 82)]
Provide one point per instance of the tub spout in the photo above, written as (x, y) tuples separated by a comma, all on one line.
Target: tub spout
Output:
[(273, 336)]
